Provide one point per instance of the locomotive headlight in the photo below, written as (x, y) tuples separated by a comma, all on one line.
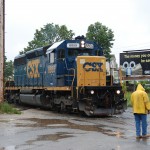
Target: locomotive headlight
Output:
[(82, 44), (92, 92), (118, 91)]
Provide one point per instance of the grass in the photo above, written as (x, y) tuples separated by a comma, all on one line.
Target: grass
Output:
[(8, 109), (128, 95)]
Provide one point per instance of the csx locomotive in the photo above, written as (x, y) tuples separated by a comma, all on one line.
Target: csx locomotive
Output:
[(67, 76)]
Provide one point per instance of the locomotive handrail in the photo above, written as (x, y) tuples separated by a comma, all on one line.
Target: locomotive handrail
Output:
[(73, 75)]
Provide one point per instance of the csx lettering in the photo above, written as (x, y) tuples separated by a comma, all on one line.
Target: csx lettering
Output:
[(32, 68), (93, 66)]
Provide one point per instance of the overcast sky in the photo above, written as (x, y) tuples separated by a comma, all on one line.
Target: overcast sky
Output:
[(129, 19)]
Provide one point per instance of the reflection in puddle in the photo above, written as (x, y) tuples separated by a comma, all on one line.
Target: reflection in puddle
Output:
[(66, 124), (4, 121), (144, 141), (51, 137), (8, 148)]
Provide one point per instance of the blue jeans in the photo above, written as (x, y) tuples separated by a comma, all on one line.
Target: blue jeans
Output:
[(140, 118)]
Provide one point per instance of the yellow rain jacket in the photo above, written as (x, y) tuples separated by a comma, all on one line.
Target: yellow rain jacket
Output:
[(140, 101)]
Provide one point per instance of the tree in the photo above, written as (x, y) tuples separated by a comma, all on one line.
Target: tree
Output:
[(8, 69), (102, 35), (48, 35)]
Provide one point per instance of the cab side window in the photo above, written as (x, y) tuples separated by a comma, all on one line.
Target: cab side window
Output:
[(61, 54), (51, 57)]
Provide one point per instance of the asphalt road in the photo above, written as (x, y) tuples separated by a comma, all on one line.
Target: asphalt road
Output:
[(41, 129)]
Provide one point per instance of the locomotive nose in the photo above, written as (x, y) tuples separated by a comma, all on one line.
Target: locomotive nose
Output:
[(91, 71)]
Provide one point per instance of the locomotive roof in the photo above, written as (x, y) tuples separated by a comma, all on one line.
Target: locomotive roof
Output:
[(33, 53), (20, 56), (55, 45)]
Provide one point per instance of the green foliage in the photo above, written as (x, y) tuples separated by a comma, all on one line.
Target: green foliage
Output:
[(52, 33), (48, 35), (145, 84), (7, 108), (64, 34), (124, 87), (102, 35), (147, 89), (127, 96), (8, 69)]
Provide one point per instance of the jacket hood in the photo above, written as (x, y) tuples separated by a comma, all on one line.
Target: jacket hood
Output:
[(140, 87)]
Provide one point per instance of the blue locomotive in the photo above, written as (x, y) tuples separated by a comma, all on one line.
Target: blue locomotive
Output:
[(69, 75)]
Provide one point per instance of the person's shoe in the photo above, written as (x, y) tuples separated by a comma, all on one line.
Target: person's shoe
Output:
[(144, 136), (138, 137)]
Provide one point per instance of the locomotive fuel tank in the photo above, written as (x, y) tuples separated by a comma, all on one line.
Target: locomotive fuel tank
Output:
[(33, 99)]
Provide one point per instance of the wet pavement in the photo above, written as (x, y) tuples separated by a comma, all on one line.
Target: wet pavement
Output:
[(41, 129)]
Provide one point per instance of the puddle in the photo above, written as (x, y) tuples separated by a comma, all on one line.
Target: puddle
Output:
[(43, 122), (51, 137), (58, 123), (4, 121), (144, 141), (11, 147)]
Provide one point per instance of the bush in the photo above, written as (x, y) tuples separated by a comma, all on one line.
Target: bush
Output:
[(127, 96), (7, 108)]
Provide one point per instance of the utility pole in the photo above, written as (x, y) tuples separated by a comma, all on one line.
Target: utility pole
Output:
[(2, 47)]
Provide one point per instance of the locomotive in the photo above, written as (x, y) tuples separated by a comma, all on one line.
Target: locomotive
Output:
[(69, 75)]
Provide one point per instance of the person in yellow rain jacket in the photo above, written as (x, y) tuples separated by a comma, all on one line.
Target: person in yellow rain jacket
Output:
[(141, 106)]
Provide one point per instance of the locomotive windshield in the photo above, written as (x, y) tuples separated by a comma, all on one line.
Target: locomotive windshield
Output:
[(78, 52)]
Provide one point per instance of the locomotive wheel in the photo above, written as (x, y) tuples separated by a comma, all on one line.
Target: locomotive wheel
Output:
[(51, 105), (62, 107), (9, 99)]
